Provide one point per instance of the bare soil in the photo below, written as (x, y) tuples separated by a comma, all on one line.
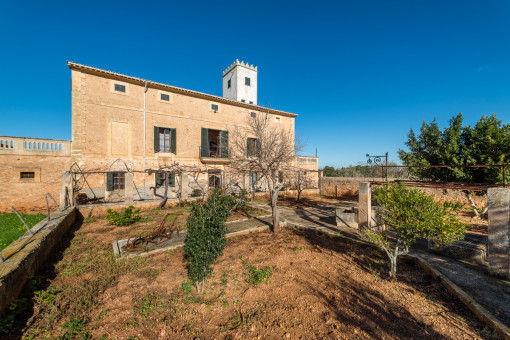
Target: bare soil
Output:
[(319, 287), (474, 224)]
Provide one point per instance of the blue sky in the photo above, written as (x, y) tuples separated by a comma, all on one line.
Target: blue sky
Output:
[(360, 74)]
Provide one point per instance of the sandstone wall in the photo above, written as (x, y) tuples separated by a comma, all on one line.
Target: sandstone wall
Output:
[(28, 194), (348, 187)]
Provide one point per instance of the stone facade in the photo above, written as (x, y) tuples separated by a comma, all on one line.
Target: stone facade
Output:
[(121, 122), (31, 168)]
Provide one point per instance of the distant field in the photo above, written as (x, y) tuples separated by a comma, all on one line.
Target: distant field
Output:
[(11, 228)]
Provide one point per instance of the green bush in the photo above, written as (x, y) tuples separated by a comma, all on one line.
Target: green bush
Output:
[(206, 234), (411, 214), (196, 193), (129, 216)]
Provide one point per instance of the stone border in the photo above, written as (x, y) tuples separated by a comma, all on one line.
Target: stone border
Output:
[(479, 311), (483, 314), (25, 256), (118, 253)]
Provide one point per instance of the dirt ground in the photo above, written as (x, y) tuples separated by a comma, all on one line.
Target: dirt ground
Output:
[(314, 287)]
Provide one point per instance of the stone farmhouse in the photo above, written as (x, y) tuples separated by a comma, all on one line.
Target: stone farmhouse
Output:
[(123, 124)]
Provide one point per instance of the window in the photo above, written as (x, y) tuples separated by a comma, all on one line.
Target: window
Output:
[(253, 180), (28, 174), (247, 81), (120, 88), (251, 102), (251, 147), (165, 139), (253, 114), (214, 107), (214, 179), (115, 181), (243, 101), (165, 97), (214, 143), (280, 176), (160, 180), (229, 83)]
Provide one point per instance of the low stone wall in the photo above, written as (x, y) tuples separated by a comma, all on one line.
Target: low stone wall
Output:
[(25, 256), (349, 187)]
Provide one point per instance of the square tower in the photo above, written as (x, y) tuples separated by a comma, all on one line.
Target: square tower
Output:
[(240, 82)]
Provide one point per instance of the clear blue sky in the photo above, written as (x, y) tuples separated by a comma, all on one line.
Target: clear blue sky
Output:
[(358, 73)]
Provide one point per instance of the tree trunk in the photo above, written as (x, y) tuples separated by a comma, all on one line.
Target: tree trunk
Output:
[(298, 195), (165, 196), (393, 270), (274, 209), (472, 204)]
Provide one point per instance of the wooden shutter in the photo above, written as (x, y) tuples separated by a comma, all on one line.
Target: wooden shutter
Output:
[(157, 179), (205, 143), (109, 181), (224, 144), (171, 180), (173, 141), (257, 147), (156, 139)]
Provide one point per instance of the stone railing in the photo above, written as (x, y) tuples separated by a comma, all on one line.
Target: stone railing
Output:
[(34, 146)]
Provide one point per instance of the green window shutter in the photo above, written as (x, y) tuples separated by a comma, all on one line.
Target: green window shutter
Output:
[(173, 141), (257, 146), (109, 181), (224, 144), (205, 143), (248, 148), (158, 179), (156, 139), (171, 180)]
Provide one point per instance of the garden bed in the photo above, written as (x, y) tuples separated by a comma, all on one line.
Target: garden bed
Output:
[(309, 286)]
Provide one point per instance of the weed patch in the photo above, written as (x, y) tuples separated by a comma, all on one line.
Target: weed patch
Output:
[(258, 275)]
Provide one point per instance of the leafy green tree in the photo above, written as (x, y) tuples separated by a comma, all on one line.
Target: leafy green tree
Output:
[(206, 239), (329, 171), (410, 214), (488, 142)]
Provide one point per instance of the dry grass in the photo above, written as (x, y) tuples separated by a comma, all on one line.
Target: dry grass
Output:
[(297, 285)]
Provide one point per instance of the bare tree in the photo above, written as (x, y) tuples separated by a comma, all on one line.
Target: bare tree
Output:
[(299, 181), (264, 148)]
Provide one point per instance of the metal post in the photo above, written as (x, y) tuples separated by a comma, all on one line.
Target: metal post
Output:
[(22, 220), (47, 206), (504, 179), (53, 200)]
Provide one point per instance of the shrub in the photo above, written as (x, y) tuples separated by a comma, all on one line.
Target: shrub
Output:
[(412, 214), (206, 234), (196, 193), (129, 216)]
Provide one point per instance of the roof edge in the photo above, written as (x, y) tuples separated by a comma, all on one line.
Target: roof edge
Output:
[(73, 65)]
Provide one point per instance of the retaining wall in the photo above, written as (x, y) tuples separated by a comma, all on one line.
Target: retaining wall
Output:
[(349, 187), (25, 256)]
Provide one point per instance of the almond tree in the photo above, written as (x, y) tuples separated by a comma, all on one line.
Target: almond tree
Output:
[(299, 181), (266, 149)]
